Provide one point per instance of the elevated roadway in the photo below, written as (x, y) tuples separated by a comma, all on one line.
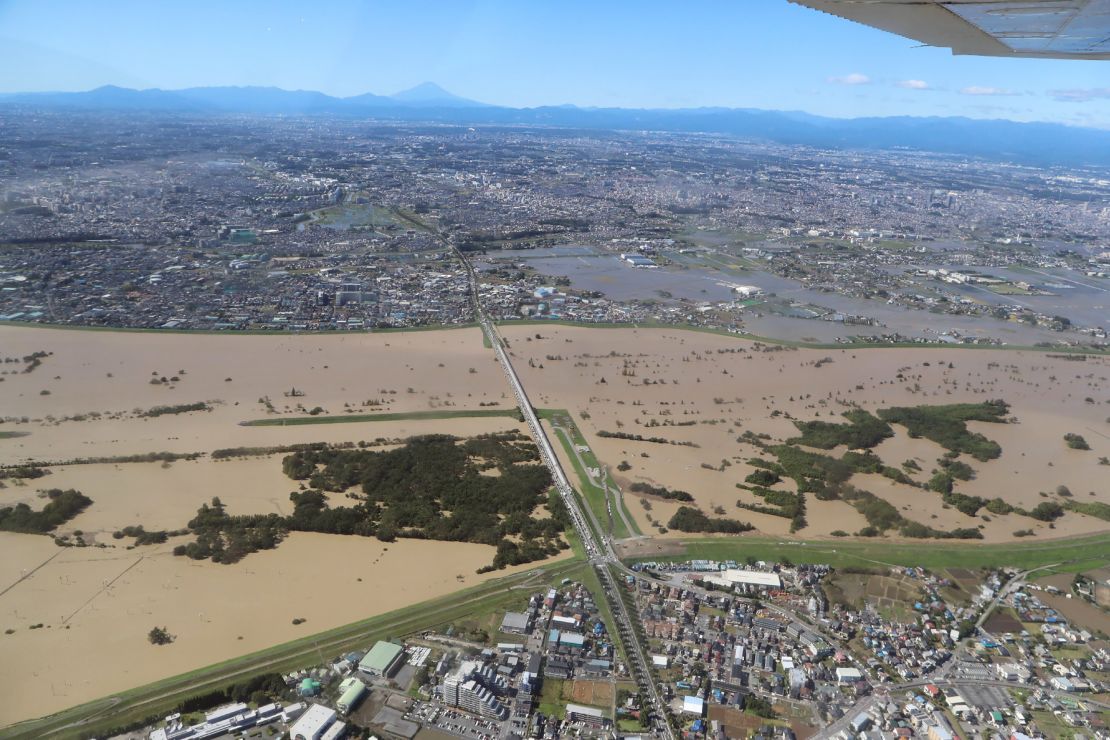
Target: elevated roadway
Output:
[(599, 549)]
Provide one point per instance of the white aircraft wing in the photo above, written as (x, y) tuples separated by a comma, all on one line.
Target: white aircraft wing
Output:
[(1052, 29)]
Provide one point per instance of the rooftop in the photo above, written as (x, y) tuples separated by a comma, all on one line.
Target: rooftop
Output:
[(380, 656)]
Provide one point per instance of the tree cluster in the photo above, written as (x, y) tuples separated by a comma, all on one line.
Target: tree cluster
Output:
[(223, 538), (431, 487), (947, 425), (862, 431), (62, 506), (691, 519), (660, 491), (1076, 441)]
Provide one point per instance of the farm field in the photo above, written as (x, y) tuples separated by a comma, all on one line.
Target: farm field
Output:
[(893, 596), (855, 553), (671, 409)]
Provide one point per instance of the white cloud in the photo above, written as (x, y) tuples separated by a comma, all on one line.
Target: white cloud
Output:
[(977, 90), (914, 85), (1080, 95), (853, 79)]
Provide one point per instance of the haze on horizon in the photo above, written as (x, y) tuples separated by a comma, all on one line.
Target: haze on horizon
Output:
[(769, 55)]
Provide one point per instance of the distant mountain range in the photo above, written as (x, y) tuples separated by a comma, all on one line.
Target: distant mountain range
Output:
[(262, 100), (1032, 143)]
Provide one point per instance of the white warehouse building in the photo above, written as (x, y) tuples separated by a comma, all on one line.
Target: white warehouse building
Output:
[(313, 724), (757, 578)]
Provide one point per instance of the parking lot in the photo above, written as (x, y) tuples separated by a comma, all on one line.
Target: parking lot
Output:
[(454, 722)]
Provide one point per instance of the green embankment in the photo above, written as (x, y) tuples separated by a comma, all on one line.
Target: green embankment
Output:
[(585, 325), (512, 413), (594, 495), (798, 343), (928, 554), (232, 332)]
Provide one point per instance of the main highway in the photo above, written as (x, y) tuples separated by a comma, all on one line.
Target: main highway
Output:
[(599, 549)]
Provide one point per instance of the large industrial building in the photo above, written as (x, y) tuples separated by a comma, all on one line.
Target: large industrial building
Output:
[(693, 705), (516, 623), (848, 675), (757, 578), (351, 691), (313, 724), (383, 660), (746, 580), (638, 260), (591, 716)]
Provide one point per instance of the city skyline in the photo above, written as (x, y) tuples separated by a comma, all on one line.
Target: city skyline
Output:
[(771, 56)]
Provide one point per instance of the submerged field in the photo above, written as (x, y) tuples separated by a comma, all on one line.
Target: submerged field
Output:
[(152, 426), (100, 408), (706, 406)]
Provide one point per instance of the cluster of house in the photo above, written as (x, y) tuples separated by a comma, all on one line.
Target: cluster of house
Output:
[(1032, 661), (914, 718), (712, 648), (986, 713)]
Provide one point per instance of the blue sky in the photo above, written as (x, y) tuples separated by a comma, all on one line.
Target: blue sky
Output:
[(682, 53)]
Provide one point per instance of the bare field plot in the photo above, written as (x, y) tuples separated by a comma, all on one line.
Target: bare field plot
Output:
[(592, 693), (1003, 621), (892, 596)]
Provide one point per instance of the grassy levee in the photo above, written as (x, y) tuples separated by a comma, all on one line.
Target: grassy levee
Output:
[(1071, 566), (620, 531), (595, 497), (588, 493), (422, 327), (161, 697), (1089, 551), (798, 343), (582, 324), (233, 332), (292, 421)]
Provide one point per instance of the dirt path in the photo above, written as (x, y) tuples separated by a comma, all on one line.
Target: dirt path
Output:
[(31, 572), (612, 498)]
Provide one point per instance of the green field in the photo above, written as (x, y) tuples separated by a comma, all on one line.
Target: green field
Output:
[(229, 332), (1090, 551), (599, 325), (425, 327), (594, 495), (160, 698), (1072, 566), (364, 216), (801, 344), (1053, 726), (512, 413), (1008, 289), (552, 703)]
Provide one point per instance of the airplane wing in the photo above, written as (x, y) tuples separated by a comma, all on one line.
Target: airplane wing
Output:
[(1050, 29)]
